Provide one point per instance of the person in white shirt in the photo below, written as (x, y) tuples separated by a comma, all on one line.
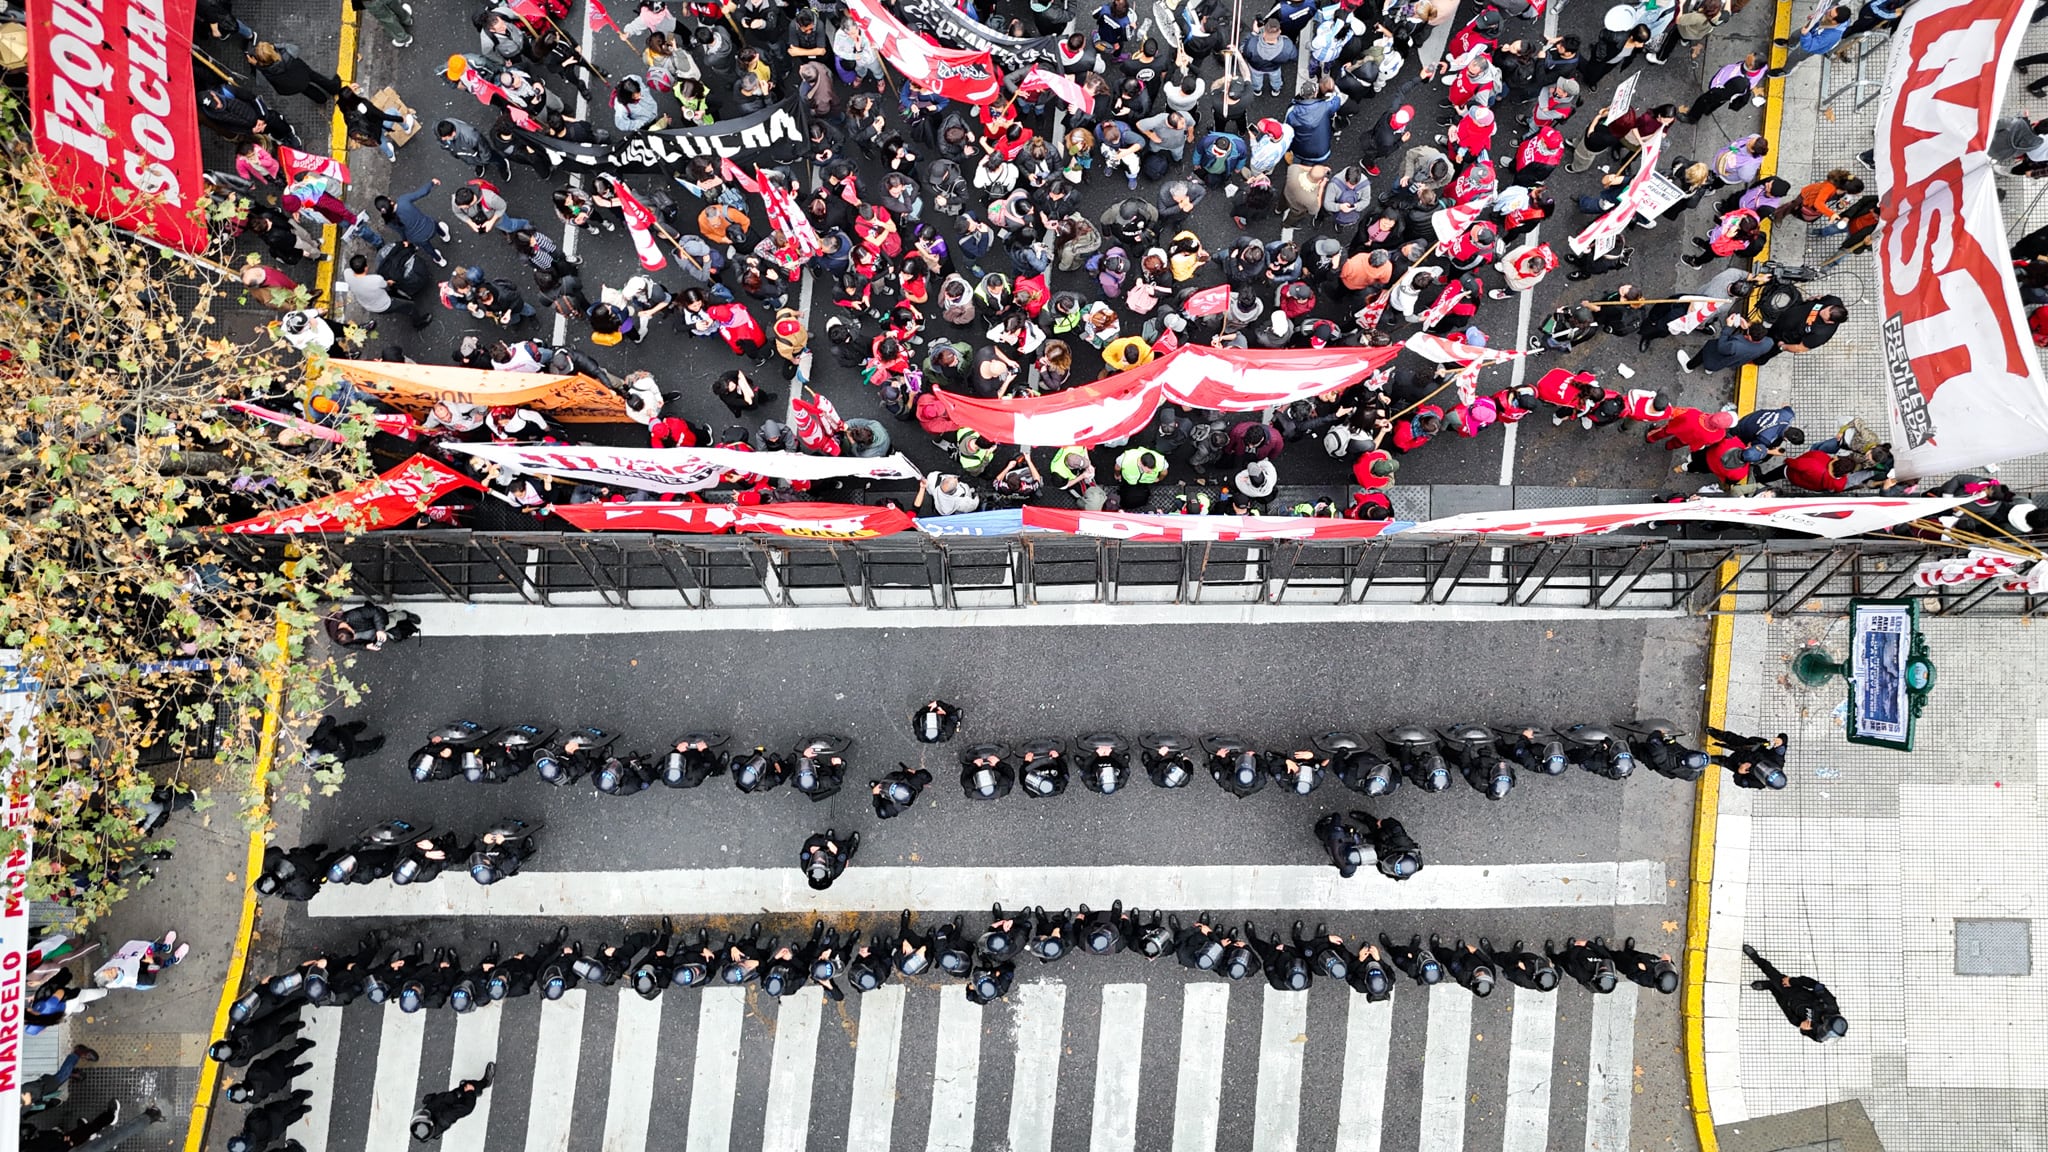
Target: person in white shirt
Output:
[(950, 494)]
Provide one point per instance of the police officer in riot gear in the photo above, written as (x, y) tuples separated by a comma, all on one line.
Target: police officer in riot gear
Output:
[(430, 984), (1595, 749), (1651, 970), (1535, 749), (951, 950), (1655, 743), (1395, 853), (1166, 759), (507, 753), (759, 771), (990, 982), (608, 964), (1151, 939), (740, 958), (1415, 959), (1108, 765), (1472, 752), (1287, 970), (441, 1109), (441, 758), (1004, 938), (1587, 962), (1357, 765), (696, 962), (913, 953), (1346, 845), (694, 759), (1200, 947), (825, 856), (1467, 965), (501, 850), (935, 723), (1806, 1002), (870, 967), (1042, 768), (1370, 974), (627, 775), (820, 766), (985, 774), (1754, 761), (1103, 932), (573, 758), (425, 857), (293, 873), (787, 968), (1415, 749), (654, 970), (1240, 959), (1328, 955), (374, 854), (829, 958), (1299, 772), (1531, 970), (1233, 765), (897, 792), (559, 971), (1052, 937)]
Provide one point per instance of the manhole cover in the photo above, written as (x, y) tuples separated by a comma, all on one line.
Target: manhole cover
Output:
[(1994, 947)]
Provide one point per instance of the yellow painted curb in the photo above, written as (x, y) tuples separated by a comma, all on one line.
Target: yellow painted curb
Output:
[(238, 959), (337, 146), (1699, 903)]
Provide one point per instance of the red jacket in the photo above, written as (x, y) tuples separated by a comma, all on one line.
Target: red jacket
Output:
[(1814, 471), (1562, 387), (1695, 428), (1724, 460)]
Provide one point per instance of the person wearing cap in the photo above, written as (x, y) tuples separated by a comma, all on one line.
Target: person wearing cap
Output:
[(1386, 136), (439, 1110), (1268, 145), (824, 857), (1806, 1002), (1219, 156)]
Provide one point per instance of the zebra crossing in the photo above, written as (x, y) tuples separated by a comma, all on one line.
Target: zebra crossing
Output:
[(1106, 1067)]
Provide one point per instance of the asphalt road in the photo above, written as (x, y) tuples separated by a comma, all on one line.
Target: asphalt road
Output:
[(1542, 454)]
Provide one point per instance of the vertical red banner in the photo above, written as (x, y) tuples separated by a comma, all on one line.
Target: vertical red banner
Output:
[(114, 113)]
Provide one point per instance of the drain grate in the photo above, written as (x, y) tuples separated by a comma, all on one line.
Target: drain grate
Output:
[(1994, 948)]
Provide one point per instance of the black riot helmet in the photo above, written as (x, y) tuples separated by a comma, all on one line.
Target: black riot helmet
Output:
[(1401, 865)]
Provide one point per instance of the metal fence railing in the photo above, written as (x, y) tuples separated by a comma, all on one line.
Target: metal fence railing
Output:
[(910, 571)]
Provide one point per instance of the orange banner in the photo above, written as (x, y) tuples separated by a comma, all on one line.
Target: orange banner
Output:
[(574, 399)]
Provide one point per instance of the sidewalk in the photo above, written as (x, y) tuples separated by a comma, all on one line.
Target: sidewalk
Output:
[(1868, 868)]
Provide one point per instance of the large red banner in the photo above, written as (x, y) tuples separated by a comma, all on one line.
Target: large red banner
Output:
[(386, 502), (820, 521), (1122, 526), (110, 96), (956, 74), (1966, 385), (1196, 376)]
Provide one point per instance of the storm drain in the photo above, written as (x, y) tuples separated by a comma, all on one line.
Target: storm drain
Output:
[(1994, 948)]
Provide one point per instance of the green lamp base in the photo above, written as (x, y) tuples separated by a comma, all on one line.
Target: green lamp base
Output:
[(1815, 668)]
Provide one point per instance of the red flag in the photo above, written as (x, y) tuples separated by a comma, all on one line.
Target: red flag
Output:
[(1369, 316), (599, 18), (1444, 303), (1208, 302), (969, 77), (737, 175), (386, 502), (819, 521), (640, 224), (297, 163), (787, 218), (816, 422), (1059, 84)]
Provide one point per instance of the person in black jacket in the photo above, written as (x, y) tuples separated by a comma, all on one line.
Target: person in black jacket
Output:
[(824, 857), (293, 873), (897, 792), (291, 76), (1754, 761), (265, 1125), (245, 1043), (934, 723), (1806, 1002), (441, 1109), (272, 1074), (372, 626)]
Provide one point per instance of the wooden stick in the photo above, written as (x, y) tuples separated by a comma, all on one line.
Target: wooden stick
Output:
[(219, 71), (1664, 300)]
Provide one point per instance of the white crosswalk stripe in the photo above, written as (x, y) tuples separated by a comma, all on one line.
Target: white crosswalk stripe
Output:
[(1122, 1105)]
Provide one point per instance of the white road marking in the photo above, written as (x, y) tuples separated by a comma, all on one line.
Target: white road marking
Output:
[(635, 1047), (1609, 1079), (476, 1045), (1361, 1110), (956, 1073), (716, 1075), (555, 1059), (1119, 1056), (1283, 1037), (1526, 1122), (1040, 1015), (652, 616), (1198, 1090), (1446, 1059), (323, 1028), (400, 1037), (790, 1072), (1223, 887), (1518, 369), (874, 1070)]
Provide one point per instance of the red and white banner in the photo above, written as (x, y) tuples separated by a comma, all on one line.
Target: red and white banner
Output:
[(115, 118), (1120, 526), (815, 421), (1830, 518), (1444, 350), (20, 700), (1038, 79), (297, 163), (1966, 385), (1600, 235), (681, 469), (1211, 301), (1450, 223), (386, 502), (640, 225), (820, 521), (1196, 376), (956, 74), (1968, 568)]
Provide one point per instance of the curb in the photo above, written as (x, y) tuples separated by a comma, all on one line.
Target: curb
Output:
[(337, 146), (238, 958), (1707, 797)]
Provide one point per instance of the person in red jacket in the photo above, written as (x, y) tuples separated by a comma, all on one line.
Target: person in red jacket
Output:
[(1818, 472), (1374, 469), (1690, 428), (1569, 393), (1724, 460), (1418, 428)]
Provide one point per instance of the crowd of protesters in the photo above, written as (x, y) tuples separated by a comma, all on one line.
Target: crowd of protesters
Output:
[(1404, 152)]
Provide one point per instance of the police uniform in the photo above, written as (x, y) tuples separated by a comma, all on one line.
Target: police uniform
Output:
[(985, 774), (1344, 843), (1647, 969), (935, 723), (1587, 962), (1415, 959), (1469, 966), (824, 857), (1806, 1002), (897, 792), (1531, 970)]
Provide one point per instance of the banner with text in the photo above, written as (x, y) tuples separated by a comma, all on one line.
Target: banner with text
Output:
[(681, 469), (774, 135), (115, 118), (818, 521), (19, 702), (391, 499), (1195, 376), (945, 19), (957, 74), (1965, 381), (1132, 526)]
